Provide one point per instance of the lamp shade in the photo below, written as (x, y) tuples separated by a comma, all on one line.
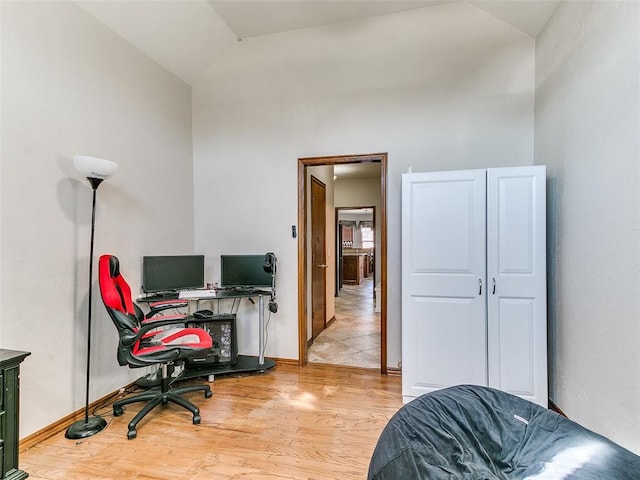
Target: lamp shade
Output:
[(92, 167)]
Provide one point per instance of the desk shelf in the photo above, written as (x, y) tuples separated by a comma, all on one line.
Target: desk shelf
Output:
[(244, 364)]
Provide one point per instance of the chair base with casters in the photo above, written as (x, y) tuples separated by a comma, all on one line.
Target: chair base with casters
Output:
[(162, 396)]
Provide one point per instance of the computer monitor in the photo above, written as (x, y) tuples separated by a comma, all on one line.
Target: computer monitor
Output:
[(168, 273), (244, 271)]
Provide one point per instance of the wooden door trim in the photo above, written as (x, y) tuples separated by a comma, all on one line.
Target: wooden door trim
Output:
[(303, 163)]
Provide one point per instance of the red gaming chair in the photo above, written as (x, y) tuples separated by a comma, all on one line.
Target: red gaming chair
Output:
[(150, 340)]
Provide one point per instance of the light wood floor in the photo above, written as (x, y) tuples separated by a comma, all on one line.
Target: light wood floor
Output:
[(317, 422)]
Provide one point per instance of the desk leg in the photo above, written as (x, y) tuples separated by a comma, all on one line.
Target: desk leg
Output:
[(261, 333)]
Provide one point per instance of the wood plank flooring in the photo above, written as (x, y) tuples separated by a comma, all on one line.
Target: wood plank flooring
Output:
[(313, 423)]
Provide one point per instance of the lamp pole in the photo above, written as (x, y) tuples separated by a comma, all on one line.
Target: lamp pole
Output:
[(89, 426)]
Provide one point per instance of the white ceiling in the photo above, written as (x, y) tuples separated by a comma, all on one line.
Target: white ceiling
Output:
[(251, 18), (187, 36)]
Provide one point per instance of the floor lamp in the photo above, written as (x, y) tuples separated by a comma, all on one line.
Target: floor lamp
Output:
[(96, 170)]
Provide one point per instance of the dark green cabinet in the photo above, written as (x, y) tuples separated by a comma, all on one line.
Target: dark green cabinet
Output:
[(9, 420)]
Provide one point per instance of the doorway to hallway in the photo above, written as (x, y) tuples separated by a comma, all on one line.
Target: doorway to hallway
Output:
[(375, 325)]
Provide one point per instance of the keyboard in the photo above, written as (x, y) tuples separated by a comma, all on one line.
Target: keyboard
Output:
[(196, 293), (156, 297)]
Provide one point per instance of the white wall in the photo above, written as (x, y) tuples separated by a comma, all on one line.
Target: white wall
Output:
[(446, 87), (1, 150), (586, 129), (71, 86)]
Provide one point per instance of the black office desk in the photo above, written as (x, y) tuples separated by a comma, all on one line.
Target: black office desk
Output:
[(244, 363)]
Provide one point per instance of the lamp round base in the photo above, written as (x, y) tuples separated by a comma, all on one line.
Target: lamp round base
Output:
[(82, 429)]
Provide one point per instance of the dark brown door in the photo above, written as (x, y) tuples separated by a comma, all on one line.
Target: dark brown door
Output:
[(318, 257), (339, 263)]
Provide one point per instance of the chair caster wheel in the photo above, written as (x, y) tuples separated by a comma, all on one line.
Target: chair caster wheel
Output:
[(208, 394), (117, 411), (131, 434), (196, 419)]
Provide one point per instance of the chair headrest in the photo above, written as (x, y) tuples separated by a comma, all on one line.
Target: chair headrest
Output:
[(114, 266)]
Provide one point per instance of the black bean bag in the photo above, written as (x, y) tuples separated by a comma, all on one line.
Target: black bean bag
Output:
[(479, 433)]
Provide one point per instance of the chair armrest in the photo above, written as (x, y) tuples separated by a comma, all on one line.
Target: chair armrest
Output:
[(171, 319), (157, 307)]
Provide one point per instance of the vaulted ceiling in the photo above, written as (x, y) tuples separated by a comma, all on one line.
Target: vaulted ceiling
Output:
[(251, 18), (187, 36)]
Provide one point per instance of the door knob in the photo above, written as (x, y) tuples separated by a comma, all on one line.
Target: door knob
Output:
[(323, 265)]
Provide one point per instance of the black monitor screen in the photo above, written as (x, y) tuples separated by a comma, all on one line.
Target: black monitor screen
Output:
[(243, 271), (172, 272)]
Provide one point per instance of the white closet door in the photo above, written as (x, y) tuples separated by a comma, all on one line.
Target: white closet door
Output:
[(516, 274), (443, 286)]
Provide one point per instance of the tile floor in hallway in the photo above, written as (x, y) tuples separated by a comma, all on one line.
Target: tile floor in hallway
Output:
[(353, 339)]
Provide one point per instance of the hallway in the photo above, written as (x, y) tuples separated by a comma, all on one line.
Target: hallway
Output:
[(353, 339)]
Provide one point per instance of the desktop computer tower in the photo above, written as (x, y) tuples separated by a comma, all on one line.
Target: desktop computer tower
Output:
[(224, 350)]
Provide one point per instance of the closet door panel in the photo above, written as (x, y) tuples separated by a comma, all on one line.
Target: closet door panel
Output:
[(516, 274), (443, 280), (443, 348), (515, 327)]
